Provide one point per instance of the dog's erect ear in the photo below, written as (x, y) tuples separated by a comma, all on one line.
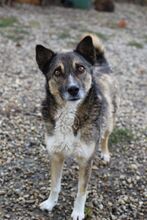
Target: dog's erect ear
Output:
[(86, 49), (43, 56)]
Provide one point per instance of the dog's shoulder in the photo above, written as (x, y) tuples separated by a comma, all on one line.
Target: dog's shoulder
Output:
[(107, 84), (104, 79)]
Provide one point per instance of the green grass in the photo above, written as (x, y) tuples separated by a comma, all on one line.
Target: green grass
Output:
[(64, 35), (112, 25), (34, 24), (102, 36), (14, 37), (145, 38), (21, 30), (135, 44), (7, 22), (10, 28), (15, 33), (88, 212), (121, 135)]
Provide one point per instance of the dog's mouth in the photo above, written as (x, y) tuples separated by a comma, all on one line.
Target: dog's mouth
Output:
[(74, 99)]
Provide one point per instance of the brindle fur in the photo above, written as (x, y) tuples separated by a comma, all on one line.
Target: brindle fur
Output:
[(95, 113)]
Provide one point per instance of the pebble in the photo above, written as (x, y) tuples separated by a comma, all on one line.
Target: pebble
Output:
[(2, 193), (101, 206), (7, 216), (133, 166)]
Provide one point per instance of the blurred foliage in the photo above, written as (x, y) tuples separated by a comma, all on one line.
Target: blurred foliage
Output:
[(88, 212), (135, 44), (13, 29), (121, 135), (7, 22), (64, 34), (102, 36), (15, 34)]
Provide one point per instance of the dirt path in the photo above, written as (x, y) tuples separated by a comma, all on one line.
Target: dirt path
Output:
[(117, 191)]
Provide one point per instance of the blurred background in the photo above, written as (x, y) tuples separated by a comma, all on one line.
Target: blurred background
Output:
[(100, 5), (117, 190)]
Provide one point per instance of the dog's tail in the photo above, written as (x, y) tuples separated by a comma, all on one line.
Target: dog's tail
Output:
[(99, 47)]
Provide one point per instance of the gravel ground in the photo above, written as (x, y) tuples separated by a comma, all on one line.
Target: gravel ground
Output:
[(117, 191)]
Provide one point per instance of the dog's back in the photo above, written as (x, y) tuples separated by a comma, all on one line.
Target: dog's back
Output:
[(106, 83)]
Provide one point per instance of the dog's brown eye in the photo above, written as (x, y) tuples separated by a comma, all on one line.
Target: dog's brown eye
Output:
[(57, 72), (80, 69)]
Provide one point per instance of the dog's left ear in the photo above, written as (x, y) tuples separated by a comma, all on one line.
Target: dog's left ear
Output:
[(43, 56), (86, 49)]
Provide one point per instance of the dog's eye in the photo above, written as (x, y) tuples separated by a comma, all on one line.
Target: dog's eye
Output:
[(80, 69), (57, 72)]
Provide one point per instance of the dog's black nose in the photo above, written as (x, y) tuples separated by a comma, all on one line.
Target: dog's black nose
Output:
[(73, 90)]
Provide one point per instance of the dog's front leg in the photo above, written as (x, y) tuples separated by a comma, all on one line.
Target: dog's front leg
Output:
[(79, 205), (105, 155), (57, 162)]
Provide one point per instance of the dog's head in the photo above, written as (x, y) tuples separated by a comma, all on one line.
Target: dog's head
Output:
[(68, 75)]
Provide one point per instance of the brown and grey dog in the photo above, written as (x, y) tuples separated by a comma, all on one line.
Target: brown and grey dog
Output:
[(79, 112)]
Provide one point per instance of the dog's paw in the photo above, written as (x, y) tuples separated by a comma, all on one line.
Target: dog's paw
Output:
[(105, 157), (77, 215), (47, 205)]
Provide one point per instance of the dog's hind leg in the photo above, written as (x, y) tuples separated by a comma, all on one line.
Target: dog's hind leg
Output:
[(105, 155), (79, 204), (57, 162)]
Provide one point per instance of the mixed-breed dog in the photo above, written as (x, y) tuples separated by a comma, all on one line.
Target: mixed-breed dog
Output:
[(79, 112)]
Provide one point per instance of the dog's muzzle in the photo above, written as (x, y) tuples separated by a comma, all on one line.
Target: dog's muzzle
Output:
[(73, 91)]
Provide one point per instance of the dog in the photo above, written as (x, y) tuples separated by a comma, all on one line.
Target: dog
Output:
[(79, 112)]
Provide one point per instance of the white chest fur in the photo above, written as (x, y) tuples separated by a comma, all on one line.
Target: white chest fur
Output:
[(63, 139)]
